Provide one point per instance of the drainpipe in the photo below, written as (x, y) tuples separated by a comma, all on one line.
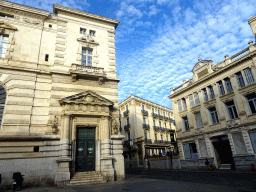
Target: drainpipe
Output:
[(29, 127)]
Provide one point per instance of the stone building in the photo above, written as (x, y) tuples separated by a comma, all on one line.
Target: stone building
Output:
[(215, 112), (148, 129), (59, 106)]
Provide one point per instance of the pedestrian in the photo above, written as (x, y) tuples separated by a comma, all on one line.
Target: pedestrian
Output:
[(148, 164), (207, 164)]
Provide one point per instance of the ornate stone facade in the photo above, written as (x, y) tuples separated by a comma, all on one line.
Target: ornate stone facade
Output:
[(58, 77), (215, 111)]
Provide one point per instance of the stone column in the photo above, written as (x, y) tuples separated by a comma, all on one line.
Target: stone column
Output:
[(106, 156), (247, 142), (117, 151)]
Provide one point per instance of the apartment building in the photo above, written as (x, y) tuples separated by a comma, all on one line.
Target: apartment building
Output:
[(148, 129), (58, 89), (215, 111)]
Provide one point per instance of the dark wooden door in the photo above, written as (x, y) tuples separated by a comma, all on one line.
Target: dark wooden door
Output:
[(85, 150)]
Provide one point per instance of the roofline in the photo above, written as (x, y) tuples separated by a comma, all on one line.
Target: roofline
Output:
[(139, 98), (24, 8), (85, 14)]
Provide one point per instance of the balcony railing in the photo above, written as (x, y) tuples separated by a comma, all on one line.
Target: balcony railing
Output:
[(148, 141), (156, 128), (144, 112), (154, 115), (145, 126), (125, 113), (127, 127)]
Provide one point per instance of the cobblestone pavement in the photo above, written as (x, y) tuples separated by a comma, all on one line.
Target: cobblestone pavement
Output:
[(171, 181)]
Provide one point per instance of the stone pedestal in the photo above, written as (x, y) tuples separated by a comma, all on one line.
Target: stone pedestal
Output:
[(118, 161)]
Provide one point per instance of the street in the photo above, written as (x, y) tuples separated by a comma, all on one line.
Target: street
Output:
[(173, 181)]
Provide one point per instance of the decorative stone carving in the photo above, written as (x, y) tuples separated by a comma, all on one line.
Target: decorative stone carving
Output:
[(35, 22)]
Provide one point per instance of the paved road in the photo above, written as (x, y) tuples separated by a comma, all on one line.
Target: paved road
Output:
[(170, 181)]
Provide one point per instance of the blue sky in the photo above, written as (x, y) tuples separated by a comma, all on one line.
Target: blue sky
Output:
[(159, 41)]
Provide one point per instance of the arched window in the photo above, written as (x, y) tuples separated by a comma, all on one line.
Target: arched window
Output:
[(2, 102)]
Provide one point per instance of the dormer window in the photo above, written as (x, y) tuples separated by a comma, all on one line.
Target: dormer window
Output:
[(3, 45)]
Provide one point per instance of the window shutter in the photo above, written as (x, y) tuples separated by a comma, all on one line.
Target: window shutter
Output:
[(179, 105), (248, 75), (186, 149), (191, 100), (198, 118)]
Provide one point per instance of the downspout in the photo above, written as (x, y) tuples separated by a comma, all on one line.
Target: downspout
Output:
[(29, 127)]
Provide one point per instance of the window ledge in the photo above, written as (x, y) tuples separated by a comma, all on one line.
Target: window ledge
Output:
[(248, 89)]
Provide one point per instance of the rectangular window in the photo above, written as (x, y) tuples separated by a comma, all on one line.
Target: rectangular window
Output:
[(221, 88), (82, 31), (213, 115), (198, 118), (3, 45), (184, 104), (228, 85), (232, 113), (185, 123), (92, 33), (248, 76), (86, 57), (197, 101), (205, 95), (240, 80), (211, 92), (251, 100), (179, 105), (191, 100), (46, 57)]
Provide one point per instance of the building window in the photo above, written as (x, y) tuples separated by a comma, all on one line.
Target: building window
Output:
[(179, 105), (211, 92), (248, 76), (240, 80), (184, 103), (86, 57), (205, 95), (3, 45), (185, 123), (213, 115), (228, 85), (197, 101), (198, 118), (221, 88), (92, 33), (232, 113), (82, 31), (190, 150), (251, 99), (191, 100)]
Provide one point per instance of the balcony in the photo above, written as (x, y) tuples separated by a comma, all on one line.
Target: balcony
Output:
[(144, 112), (127, 127), (154, 115), (148, 141), (156, 128), (87, 71), (145, 126), (125, 113)]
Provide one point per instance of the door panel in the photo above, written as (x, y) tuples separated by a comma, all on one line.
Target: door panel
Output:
[(85, 160)]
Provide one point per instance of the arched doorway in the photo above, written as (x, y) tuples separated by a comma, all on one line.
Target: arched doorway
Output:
[(2, 102)]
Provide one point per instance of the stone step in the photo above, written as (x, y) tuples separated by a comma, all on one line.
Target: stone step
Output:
[(225, 166), (85, 183)]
